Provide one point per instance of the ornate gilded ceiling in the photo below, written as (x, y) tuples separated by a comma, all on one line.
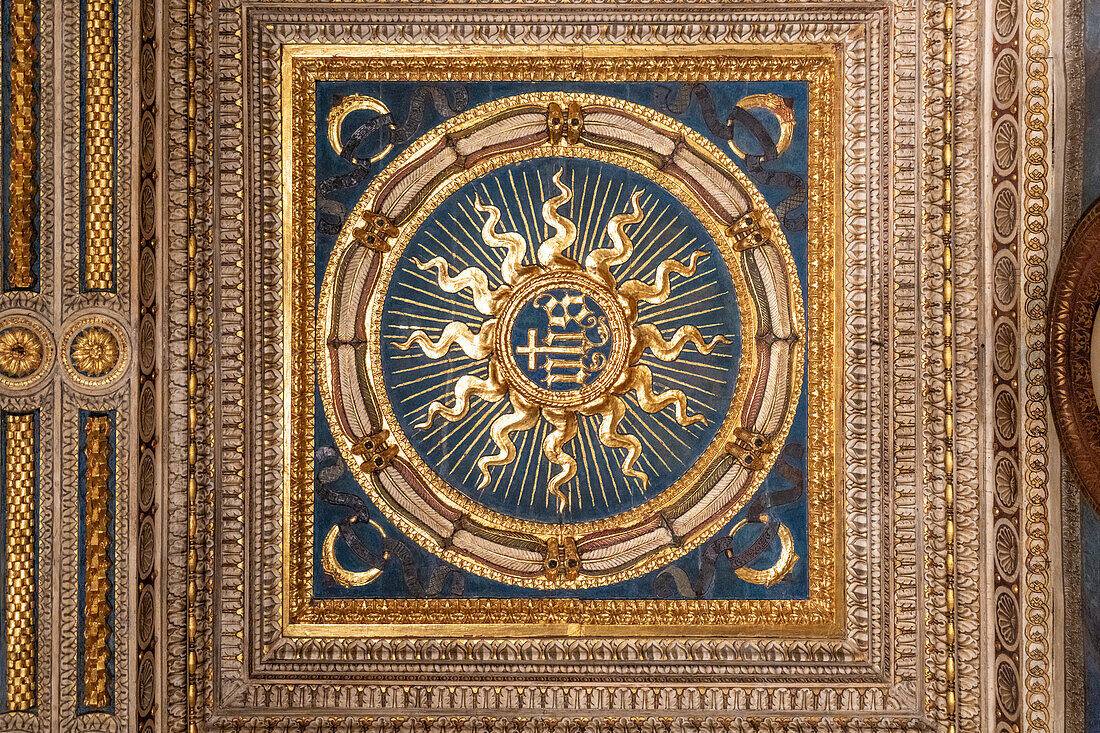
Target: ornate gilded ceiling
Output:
[(524, 367)]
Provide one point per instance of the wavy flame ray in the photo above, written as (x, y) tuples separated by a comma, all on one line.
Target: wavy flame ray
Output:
[(609, 409)]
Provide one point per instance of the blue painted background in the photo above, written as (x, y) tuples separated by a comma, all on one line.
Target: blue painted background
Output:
[(396, 581)]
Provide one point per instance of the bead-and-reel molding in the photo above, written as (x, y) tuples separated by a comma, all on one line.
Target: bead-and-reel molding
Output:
[(549, 338)]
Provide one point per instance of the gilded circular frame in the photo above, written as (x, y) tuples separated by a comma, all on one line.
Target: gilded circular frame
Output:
[(1074, 305), (26, 352), (392, 487), (505, 355)]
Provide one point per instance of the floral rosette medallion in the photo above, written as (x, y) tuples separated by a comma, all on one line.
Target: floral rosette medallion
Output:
[(560, 340)]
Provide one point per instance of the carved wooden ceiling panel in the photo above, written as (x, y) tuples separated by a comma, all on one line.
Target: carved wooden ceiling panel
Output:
[(522, 367)]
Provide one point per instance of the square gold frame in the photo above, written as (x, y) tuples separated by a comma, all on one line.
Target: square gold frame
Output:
[(818, 615)]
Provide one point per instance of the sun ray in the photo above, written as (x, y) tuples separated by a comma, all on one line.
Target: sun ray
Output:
[(475, 258), (592, 236), (583, 461), (527, 227), (473, 279), (657, 366), (475, 345), (512, 470), (452, 312), (507, 207), (651, 309), (640, 382), (654, 252), (459, 429), (538, 466), (479, 244), (687, 360), (522, 417), (652, 219), (599, 262), (610, 411), (579, 214), (420, 317), (592, 451), (512, 268), (658, 290), (693, 314), (454, 432), (550, 251), (645, 226), (431, 295), (535, 220), (649, 337), (472, 434), (426, 390), (565, 428), (667, 422), (673, 452), (490, 389), (635, 421), (588, 242), (656, 238), (406, 383)]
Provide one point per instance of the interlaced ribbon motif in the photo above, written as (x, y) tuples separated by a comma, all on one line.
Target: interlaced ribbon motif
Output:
[(443, 580), (678, 102), (332, 212)]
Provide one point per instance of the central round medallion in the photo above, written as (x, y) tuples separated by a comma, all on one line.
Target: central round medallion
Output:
[(563, 340), (568, 353), (550, 350)]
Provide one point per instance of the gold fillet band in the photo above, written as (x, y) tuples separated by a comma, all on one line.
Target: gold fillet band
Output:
[(23, 185), (19, 632), (97, 560), (99, 190), (306, 616)]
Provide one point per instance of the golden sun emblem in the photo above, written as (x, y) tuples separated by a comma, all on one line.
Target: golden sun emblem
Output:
[(561, 340)]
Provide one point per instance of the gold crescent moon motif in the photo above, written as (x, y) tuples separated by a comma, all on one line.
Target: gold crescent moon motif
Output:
[(349, 104), (332, 566), (778, 107), (784, 564)]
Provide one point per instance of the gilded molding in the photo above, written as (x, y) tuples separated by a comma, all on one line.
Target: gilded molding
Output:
[(947, 83), (358, 617), (1003, 36), (148, 346), (19, 559), (23, 181), (1036, 573), (97, 560), (191, 498), (99, 133)]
